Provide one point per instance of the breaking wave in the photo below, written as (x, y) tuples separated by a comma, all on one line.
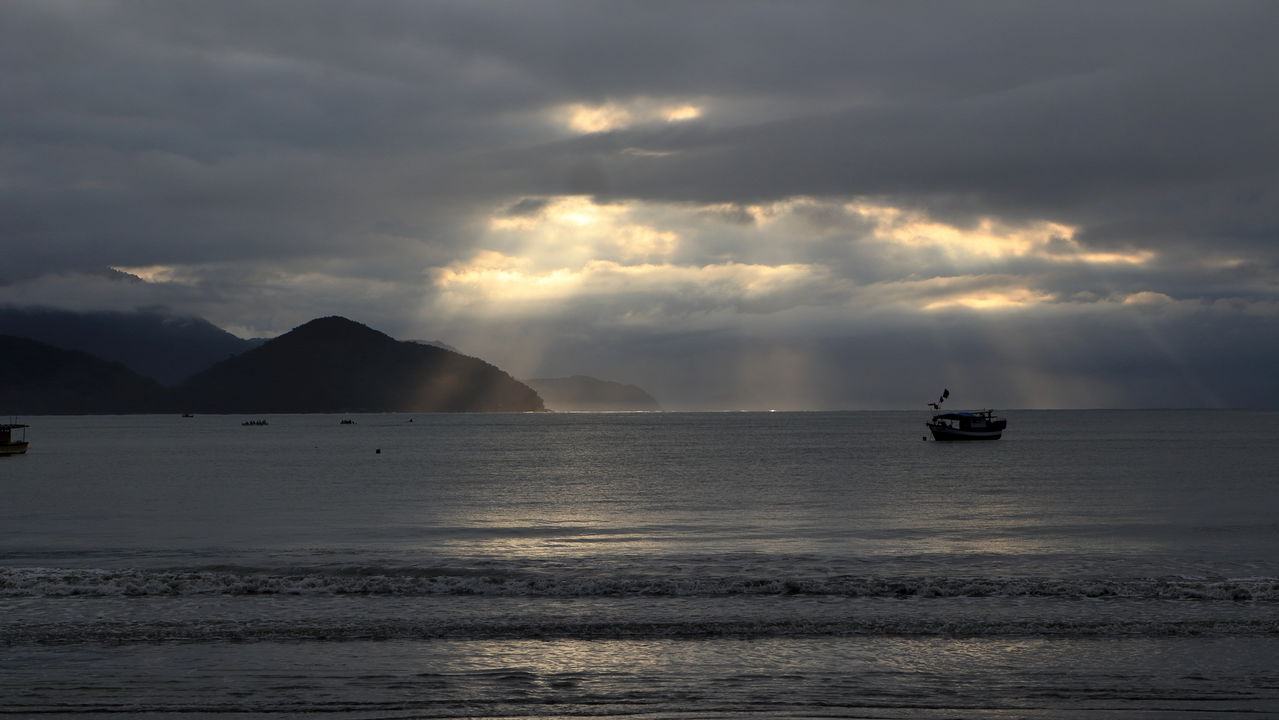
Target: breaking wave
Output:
[(546, 629), (409, 582)]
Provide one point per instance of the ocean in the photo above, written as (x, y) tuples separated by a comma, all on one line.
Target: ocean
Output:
[(1099, 564)]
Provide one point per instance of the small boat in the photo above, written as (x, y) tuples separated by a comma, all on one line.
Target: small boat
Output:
[(976, 425), (10, 446)]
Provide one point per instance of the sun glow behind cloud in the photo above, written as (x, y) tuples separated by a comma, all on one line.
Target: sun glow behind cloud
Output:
[(495, 284), (637, 262), (586, 119), (570, 250), (993, 300), (988, 239), (1138, 257), (682, 113), (771, 189), (574, 230), (153, 273), (1148, 298), (544, 254)]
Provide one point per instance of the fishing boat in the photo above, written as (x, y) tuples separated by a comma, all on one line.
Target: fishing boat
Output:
[(976, 425), (10, 446)]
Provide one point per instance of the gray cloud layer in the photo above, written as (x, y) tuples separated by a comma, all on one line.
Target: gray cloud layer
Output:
[(293, 159)]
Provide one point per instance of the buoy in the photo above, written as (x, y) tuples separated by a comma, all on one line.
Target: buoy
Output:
[(378, 451)]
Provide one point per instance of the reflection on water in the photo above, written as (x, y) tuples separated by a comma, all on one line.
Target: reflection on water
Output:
[(665, 566), (837, 485), (878, 677)]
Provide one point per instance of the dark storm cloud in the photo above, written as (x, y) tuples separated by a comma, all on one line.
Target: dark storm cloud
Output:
[(1140, 121), (1143, 124), (1129, 156), (289, 156)]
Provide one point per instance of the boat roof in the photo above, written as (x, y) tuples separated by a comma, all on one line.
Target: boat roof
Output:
[(962, 415)]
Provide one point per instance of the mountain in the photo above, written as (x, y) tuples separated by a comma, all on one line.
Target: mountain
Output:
[(40, 379), (438, 344), (583, 393), (164, 347), (337, 365)]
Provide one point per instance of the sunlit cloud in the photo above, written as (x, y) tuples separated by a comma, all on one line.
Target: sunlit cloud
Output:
[(1139, 257), (492, 283), (586, 119), (414, 179), (636, 241), (972, 292), (681, 113), (156, 273), (492, 277), (570, 210), (563, 254), (1011, 299), (989, 239), (766, 213), (1147, 298), (552, 250), (574, 230)]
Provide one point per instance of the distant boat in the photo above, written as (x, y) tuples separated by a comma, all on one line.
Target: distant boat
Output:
[(250, 423), (977, 425), (9, 446)]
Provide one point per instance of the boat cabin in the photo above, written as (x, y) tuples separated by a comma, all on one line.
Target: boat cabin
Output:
[(977, 425), (8, 444)]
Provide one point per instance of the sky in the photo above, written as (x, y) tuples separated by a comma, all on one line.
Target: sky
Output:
[(734, 205)]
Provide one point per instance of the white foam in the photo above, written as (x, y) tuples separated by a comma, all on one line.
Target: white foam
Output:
[(62, 582)]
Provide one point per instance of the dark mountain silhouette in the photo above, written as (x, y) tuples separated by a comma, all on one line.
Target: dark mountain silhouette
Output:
[(164, 347), (40, 379), (438, 344), (336, 365), (583, 393)]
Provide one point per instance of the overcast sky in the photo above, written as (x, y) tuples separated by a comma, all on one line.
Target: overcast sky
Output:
[(833, 205)]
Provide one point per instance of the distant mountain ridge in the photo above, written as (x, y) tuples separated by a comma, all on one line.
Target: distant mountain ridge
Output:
[(166, 348), (39, 379), (584, 393), (327, 365)]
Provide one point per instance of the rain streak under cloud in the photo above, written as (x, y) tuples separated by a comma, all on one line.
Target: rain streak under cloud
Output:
[(733, 205)]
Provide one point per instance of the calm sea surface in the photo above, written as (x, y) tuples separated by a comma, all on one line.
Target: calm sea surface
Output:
[(684, 565)]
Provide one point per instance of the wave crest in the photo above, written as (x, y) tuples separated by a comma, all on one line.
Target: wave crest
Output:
[(59, 582)]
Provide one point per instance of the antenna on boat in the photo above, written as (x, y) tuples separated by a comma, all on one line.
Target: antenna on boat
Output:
[(945, 393)]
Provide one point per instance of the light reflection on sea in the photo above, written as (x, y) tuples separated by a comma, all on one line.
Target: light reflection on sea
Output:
[(672, 565)]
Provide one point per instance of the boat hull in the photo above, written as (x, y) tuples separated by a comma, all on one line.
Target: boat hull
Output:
[(942, 432), (13, 448)]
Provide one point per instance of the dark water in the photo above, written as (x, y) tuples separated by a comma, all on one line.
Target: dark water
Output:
[(1098, 564)]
